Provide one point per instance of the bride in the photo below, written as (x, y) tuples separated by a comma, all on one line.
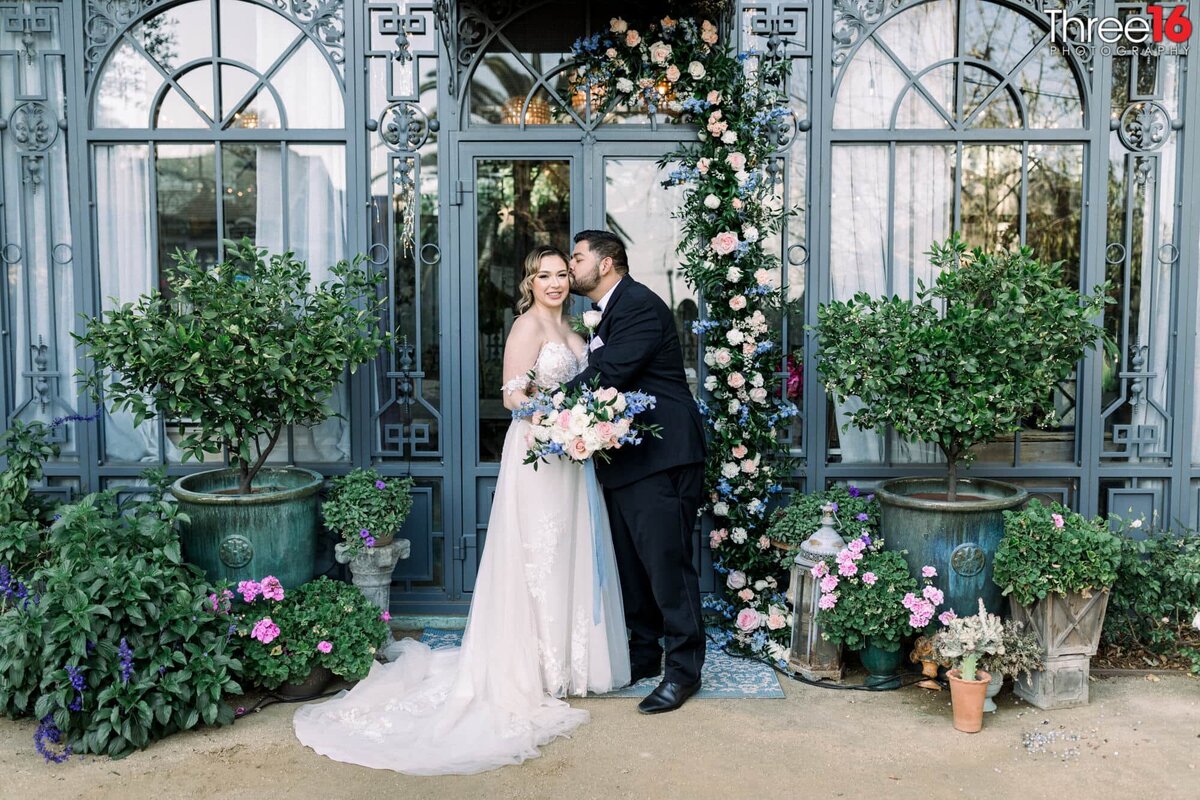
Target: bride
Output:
[(533, 634)]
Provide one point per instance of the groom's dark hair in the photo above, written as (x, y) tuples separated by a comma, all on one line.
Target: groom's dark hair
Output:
[(606, 245)]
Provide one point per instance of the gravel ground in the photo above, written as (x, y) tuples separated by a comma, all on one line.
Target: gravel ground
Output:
[(1137, 738)]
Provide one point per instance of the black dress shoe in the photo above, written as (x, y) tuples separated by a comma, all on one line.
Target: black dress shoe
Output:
[(641, 673), (667, 697)]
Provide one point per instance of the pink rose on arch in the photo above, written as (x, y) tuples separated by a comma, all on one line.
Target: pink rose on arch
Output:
[(724, 243), (673, 73), (748, 619), (736, 203), (736, 580), (737, 302), (716, 537), (633, 39), (746, 595), (325, 647), (723, 357), (776, 622), (660, 53), (736, 380), (739, 451), (736, 160), (749, 467), (714, 97), (748, 348), (702, 165), (577, 449), (763, 277)]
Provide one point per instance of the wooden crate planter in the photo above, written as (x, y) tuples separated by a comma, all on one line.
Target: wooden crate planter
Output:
[(1068, 628)]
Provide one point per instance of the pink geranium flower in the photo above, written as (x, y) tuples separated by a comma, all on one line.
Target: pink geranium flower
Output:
[(928, 572), (272, 589), (1058, 520), (324, 646), (249, 590), (265, 630), (869, 578)]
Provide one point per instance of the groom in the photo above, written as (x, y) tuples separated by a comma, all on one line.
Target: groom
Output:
[(653, 490)]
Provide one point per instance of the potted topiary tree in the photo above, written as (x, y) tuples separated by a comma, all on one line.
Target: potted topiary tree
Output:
[(241, 350), (975, 355)]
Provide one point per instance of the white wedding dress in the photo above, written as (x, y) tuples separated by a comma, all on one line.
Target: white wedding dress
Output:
[(531, 636)]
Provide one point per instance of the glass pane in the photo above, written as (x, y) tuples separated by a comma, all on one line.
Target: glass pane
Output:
[(252, 193), (501, 83), (858, 262), (923, 210), (254, 35), (124, 254), (868, 91), (176, 112), (520, 204), (991, 195), (309, 90), (125, 89), (997, 34), (1050, 91), (178, 35), (917, 109), (1054, 206), (261, 111), (638, 209), (922, 35), (316, 204), (187, 201)]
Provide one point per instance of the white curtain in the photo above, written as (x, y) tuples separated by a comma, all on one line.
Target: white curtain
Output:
[(316, 232), (126, 260)]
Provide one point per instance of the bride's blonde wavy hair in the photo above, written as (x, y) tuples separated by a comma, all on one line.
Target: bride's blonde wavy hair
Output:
[(533, 265)]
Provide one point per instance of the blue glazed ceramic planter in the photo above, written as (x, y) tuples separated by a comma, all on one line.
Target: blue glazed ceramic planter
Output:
[(958, 538)]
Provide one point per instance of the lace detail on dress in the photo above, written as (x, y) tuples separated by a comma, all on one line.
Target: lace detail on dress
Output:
[(556, 363), (580, 628)]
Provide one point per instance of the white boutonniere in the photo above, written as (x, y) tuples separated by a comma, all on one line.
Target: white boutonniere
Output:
[(591, 320)]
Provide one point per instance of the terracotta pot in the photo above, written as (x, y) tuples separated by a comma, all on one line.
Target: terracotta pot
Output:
[(967, 700)]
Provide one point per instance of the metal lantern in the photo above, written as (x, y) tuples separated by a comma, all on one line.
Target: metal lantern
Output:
[(811, 655)]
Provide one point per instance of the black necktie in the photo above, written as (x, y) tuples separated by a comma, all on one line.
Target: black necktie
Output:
[(596, 307)]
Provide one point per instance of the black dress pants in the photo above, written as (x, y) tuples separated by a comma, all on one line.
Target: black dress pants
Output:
[(653, 527)]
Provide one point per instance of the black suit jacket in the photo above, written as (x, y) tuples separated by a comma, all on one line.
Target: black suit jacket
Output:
[(641, 352)]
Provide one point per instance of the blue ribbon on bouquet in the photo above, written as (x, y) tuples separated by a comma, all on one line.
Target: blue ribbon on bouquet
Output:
[(593, 495)]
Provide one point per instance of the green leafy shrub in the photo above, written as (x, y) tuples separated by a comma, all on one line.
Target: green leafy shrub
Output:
[(1156, 596), (977, 353), (282, 636), (363, 507), (244, 348), (857, 513), (23, 513), (108, 643), (1052, 550)]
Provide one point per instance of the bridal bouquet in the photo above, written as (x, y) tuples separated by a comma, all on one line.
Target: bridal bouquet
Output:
[(584, 423)]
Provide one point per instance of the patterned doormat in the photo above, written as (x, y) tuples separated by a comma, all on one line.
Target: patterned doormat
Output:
[(724, 676)]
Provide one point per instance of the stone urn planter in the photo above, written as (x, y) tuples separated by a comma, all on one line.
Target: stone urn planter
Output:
[(958, 538), (372, 567), (237, 537), (1068, 626), (993, 689)]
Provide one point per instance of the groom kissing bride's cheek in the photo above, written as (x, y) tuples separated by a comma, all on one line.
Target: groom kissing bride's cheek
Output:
[(587, 581)]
